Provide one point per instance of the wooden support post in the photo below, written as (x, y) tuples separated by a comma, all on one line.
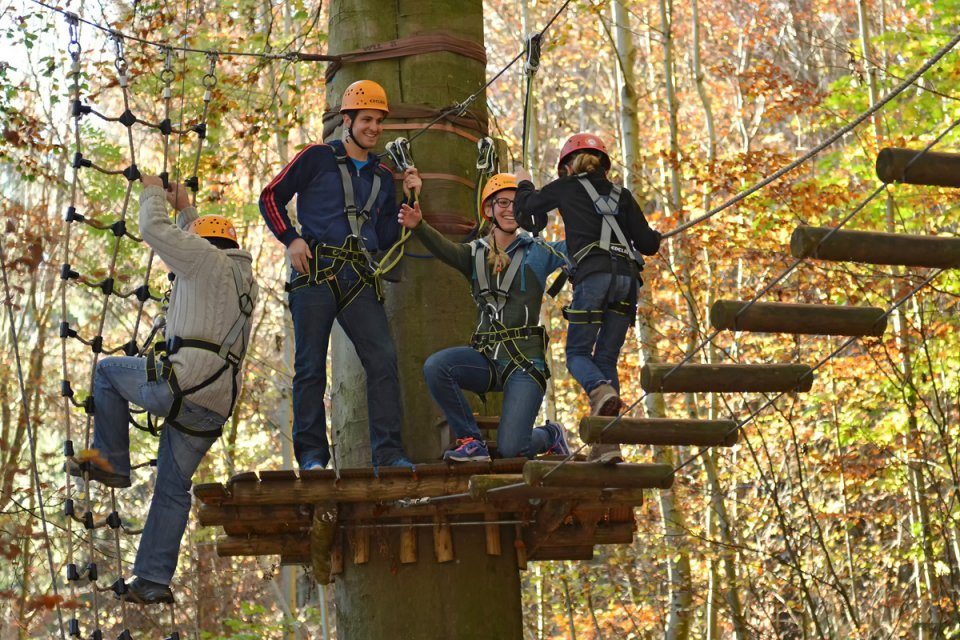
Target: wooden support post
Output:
[(810, 319), (442, 540), (408, 543), (720, 378), (932, 168), (580, 535), (336, 555), (590, 474), (870, 247), (493, 534), (659, 431), (521, 548), (511, 488), (323, 532), (359, 538)]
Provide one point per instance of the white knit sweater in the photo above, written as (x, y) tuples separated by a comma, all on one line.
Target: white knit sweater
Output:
[(203, 303)]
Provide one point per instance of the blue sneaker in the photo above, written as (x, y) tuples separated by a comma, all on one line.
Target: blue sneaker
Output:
[(559, 446), (468, 450), (313, 465)]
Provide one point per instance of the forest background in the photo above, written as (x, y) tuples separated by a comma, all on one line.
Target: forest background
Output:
[(835, 516)]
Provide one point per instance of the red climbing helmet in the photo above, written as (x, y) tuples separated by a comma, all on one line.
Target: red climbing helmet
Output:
[(583, 142)]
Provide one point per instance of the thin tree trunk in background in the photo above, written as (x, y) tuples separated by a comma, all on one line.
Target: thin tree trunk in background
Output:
[(478, 595), (928, 589)]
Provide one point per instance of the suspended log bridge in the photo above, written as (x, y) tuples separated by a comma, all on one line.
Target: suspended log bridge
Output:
[(720, 378), (914, 166), (873, 247), (659, 431)]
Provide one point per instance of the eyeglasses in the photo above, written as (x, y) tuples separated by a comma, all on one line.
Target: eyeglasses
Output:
[(503, 203)]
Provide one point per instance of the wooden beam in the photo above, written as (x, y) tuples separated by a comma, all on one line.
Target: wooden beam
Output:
[(287, 545), (294, 515), (725, 378), (872, 247), (589, 474), (563, 553), (913, 166), (810, 319), (210, 493), (347, 490), (659, 431), (265, 528), (512, 488), (442, 540), (521, 548)]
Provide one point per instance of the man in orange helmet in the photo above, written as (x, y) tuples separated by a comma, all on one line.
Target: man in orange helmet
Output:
[(347, 212), (194, 384)]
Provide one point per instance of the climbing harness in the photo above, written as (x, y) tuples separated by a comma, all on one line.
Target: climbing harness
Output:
[(491, 300), (352, 252), (162, 369), (612, 241)]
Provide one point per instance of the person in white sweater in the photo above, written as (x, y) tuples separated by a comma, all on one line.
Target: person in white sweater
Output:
[(193, 383)]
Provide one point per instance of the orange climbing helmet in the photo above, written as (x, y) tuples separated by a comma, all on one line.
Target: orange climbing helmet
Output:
[(583, 142), (364, 94), (213, 226), (497, 183)]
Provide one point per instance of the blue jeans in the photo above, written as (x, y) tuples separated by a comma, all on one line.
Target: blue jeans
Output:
[(365, 322), (117, 383), (593, 349), (450, 371)]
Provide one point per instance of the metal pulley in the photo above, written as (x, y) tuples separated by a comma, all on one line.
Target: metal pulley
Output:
[(399, 151)]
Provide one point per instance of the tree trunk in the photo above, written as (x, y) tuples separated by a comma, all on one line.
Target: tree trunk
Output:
[(477, 596)]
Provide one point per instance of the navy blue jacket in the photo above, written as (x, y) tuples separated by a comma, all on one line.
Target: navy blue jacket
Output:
[(314, 177)]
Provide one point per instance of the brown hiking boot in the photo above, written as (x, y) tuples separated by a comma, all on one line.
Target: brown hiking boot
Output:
[(604, 401)]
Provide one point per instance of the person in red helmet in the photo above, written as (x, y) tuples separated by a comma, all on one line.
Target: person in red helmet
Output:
[(607, 236)]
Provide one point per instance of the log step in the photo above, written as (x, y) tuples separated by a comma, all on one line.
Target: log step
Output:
[(810, 319), (873, 247), (580, 475), (932, 169), (725, 378), (659, 431)]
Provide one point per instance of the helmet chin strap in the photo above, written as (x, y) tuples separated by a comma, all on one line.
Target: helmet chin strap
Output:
[(350, 136)]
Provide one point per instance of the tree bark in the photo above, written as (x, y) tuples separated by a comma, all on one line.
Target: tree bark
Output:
[(382, 598)]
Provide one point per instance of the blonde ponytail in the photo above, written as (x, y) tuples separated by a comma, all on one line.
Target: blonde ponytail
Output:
[(497, 258), (584, 163)]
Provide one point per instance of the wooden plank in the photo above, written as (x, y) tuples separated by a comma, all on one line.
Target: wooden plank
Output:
[(589, 474), (520, 548), (442, 540), (809, 319), (408, 543), (579, 535), (492, 535), (359, 539), (914, 166), (265, 528), (212, 493), (292, 545), (659, 431), (725, 378), (347, 490), (872, 247), (510, 488), (563, 553)]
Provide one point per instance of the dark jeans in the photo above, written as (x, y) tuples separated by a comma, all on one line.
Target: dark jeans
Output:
[(117, 383), (593, 349), (450, 371), (365, 322)]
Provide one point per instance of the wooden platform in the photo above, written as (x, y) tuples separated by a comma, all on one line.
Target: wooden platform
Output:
[(294, 514)]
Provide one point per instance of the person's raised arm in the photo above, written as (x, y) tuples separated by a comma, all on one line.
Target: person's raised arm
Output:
[(530, 205), (456, 255), (183, 252)]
